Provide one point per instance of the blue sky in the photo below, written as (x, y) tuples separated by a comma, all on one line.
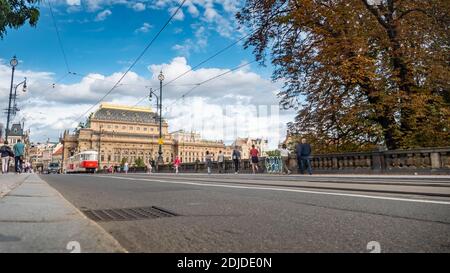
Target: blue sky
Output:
[(102, 37), (109, 44)]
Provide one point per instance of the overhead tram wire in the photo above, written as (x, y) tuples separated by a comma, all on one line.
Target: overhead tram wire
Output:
[(208, 80), (58, 36), (200, 64), (207, 59), (135, 61)]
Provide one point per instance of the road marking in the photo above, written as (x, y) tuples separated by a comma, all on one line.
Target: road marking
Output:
[(284, 189)]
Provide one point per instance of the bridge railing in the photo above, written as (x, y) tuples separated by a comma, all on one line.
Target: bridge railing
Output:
[(416, 161)]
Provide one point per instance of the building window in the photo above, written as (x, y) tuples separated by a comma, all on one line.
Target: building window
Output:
[(138, 128), (124, 127), (145, 128), (131, 128)]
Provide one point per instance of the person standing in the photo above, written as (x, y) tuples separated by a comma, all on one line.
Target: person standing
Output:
[(176, 163), (19, 149), (284, 153), (221, 162), (125, 167), (303, 151), (254, 153), (208, 159), (236, 159), (5, 153)]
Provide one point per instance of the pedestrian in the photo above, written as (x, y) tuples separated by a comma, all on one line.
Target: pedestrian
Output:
[(236, 159), (221, 162), (303, 151), (149, 167), (254, 153), (208, 159), (177, 163), (197, 162), (125, 167), (19, 149), (6, 153), (284, 153)]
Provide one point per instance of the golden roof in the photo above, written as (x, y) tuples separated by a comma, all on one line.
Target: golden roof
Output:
[(126, 108)]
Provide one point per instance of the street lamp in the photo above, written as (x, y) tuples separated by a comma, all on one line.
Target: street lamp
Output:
[(14, 62), (24, 89), (161, 79)]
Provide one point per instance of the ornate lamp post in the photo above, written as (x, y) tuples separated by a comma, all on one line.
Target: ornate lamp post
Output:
[(161, 79), (14, 62)]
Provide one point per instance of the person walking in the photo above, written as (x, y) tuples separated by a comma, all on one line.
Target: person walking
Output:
[(303, 151), (125, 167), (208, 159), (177, 163), (149, 167), (19, 149), (254, 153), (221, 162), (5, 153), (236, 156), (284, 153)]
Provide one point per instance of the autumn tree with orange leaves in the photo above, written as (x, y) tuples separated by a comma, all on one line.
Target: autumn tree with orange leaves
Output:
[(361, 73)]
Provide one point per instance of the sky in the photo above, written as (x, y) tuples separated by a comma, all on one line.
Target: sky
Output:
[(102, 38)]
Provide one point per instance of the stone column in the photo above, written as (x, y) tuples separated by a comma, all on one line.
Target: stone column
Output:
[(435, 160)]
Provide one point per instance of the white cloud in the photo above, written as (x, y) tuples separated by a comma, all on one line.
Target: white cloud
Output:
[(139, 6), (200, 43), (101, 16), (179, 13), (73, 2), (144, 28), (242, 103)]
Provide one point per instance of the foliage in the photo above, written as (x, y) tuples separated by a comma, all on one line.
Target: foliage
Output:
[(123, 161), (273, 153), (15, 13), (360, 75), (139, 162)]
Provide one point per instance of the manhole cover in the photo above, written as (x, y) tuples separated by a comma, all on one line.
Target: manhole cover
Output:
[(127, 214)]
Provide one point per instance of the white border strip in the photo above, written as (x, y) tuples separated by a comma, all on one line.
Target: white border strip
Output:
[(284, 189)]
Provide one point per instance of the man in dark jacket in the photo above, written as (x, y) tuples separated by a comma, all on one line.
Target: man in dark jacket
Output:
[(303, 151), (5, 154)]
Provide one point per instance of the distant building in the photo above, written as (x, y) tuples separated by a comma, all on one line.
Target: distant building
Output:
[(17, 132), (189, 146), (41, 154), (245, 144), (120, 133)]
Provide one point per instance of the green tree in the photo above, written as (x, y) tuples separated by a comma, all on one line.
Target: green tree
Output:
[(359, 74), (15, 13), (139, 162), (123, 161)]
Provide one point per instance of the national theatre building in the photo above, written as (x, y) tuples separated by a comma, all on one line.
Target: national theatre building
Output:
[(123, 133)]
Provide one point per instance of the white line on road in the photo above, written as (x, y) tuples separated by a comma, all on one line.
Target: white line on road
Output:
[(283, 189)]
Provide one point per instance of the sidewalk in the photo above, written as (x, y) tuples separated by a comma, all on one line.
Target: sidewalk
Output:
[(36, 218)]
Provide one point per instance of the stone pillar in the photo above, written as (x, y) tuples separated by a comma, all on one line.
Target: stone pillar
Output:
[(435, 160), (377, 161)]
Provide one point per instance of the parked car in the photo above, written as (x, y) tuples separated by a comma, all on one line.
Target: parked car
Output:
[(53, 168)]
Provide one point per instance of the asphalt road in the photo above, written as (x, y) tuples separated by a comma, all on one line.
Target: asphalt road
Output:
[(260, 213)]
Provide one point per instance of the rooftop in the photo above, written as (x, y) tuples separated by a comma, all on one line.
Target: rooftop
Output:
[(113, 112)]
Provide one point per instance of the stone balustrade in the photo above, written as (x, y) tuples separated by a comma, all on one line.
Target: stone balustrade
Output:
[(417, 161)]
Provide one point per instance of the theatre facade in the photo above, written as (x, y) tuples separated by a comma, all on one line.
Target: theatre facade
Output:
[(125, 134)]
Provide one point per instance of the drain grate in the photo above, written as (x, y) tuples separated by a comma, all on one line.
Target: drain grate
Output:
[(127, 214)]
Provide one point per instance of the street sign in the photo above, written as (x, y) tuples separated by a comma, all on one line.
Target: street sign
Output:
[(160, 141)]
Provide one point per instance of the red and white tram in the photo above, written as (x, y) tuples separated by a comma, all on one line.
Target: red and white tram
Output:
[(86, 161)]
